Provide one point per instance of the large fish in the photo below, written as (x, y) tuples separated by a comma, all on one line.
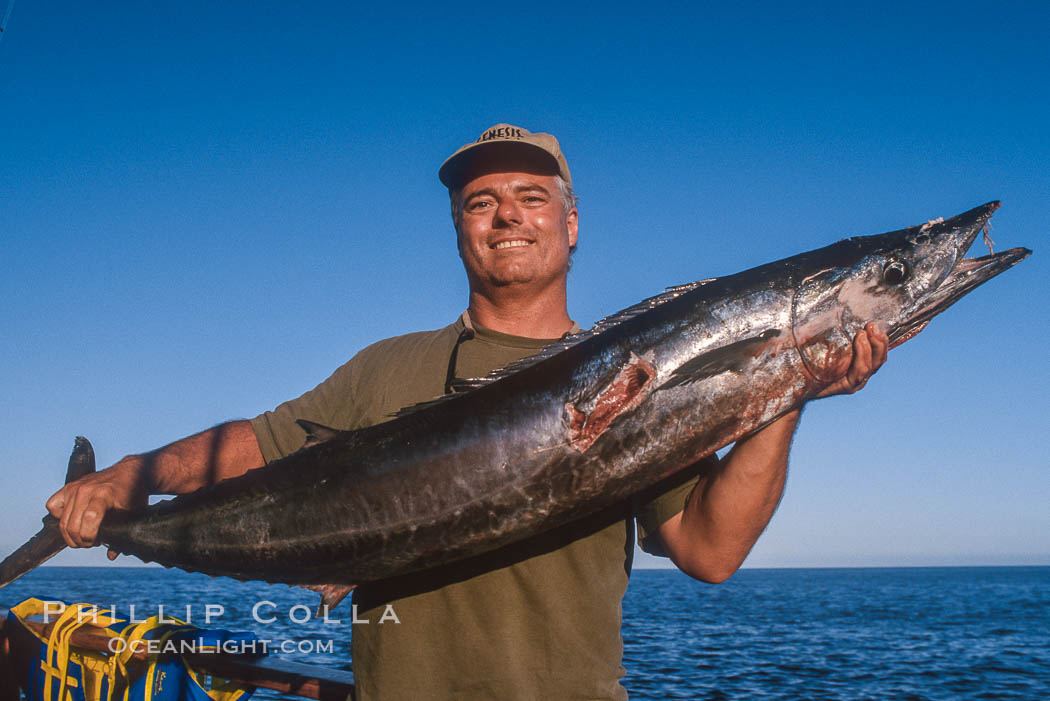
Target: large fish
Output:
[(581, 426)]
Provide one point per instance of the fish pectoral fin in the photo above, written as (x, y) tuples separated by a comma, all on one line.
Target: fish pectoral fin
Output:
[(732, 357), (331, 595), (316, 433)]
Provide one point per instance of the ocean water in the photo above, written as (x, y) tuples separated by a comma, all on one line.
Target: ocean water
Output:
[(894, 633)]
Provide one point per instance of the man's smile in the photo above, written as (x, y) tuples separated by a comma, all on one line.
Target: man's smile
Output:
[(509, 243)]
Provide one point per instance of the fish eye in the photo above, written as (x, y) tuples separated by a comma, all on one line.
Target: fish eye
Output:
[(895, 272)]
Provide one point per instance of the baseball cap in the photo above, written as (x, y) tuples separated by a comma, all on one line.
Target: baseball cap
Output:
[(509, 142)]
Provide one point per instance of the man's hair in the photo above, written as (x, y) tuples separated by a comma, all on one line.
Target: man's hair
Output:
[(568, 200)]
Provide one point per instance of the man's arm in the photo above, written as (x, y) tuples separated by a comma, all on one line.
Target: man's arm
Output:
[(729, 509), (225, 451)]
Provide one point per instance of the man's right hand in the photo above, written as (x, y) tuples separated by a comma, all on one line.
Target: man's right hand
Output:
[(80, 506), (215, 454)]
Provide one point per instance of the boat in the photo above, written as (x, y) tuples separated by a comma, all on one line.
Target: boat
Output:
[(20, 640)]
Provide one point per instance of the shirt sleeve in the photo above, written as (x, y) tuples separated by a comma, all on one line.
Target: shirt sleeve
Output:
[(653, 514), (328, 404), (367, 389)]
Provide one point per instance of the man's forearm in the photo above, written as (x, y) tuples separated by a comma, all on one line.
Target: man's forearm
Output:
[(728, 510), (218, 453), (205, 458)]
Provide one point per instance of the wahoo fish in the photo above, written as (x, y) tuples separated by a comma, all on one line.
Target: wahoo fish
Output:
[(580, 427)]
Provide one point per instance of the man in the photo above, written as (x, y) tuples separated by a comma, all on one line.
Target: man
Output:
[(540, 620)]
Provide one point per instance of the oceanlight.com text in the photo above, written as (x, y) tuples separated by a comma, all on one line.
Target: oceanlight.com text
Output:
[(231, 647)]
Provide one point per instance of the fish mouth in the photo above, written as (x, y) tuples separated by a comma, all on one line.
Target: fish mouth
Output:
[(965, 275)]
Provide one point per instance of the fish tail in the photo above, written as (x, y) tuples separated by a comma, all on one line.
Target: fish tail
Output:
[(38, 549), (48, 542)]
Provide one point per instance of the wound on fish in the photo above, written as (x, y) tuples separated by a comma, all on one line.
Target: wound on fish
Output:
[(626, 391)]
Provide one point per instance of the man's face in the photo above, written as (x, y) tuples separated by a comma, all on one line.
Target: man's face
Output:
[(514, 230)]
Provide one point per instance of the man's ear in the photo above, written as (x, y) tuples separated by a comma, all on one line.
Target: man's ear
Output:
[(572, 223)]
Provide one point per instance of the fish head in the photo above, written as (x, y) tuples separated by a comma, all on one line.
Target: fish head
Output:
[(899, 280)]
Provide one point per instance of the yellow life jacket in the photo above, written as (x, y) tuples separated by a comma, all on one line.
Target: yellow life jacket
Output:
[(68, 673)]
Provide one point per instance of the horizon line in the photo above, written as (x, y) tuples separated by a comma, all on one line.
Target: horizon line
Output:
[(669, 568)]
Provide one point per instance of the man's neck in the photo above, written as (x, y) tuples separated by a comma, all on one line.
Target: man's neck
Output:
[(544, 316)]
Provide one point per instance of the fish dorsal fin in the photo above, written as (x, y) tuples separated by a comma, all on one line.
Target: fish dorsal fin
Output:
[(465, 386), (316, 433)]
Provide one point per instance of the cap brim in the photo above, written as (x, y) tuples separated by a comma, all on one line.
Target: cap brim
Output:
[(496, 157)]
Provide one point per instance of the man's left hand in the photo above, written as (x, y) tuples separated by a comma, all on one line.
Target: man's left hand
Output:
[(870, 347)]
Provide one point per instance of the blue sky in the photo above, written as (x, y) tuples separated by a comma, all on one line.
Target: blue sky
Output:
[(207, 207)]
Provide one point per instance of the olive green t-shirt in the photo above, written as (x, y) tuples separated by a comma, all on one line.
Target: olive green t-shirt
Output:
[(535, 621)]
